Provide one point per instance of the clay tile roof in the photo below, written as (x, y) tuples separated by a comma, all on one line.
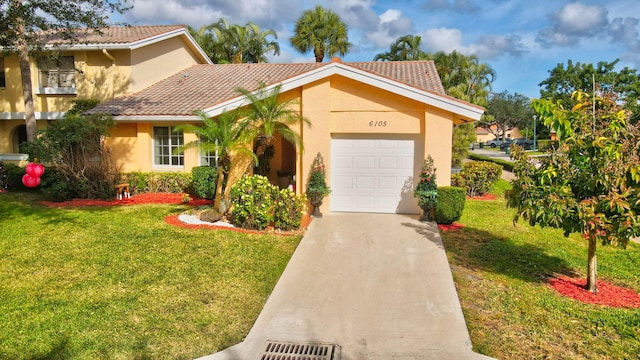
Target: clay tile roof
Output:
[(204, 86), (118, 34), (420, 74)]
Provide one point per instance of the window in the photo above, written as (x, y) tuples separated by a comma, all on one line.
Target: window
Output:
[(165, 142), (58, 73), (209, 158), (3, 81)]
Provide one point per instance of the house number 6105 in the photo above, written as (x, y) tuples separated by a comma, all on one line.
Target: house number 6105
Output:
[(377, 123)]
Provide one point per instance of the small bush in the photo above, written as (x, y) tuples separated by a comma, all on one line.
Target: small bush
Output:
[(506, 165), (14, 177), (477, 177), (450, 204), (204, 181), (55, 187), (167, 182), (211, 215), (252, 200), (289, 209)]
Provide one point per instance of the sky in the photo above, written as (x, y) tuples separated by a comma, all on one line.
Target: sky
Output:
[(522, 40)]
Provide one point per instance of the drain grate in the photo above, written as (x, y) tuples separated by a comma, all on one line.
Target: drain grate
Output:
[(280, 350)]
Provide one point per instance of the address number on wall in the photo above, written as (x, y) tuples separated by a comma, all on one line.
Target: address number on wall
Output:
[(377, 123)]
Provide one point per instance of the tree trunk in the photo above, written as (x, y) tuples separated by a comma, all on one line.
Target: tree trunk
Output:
[(25, 74), (319, 53), (218, 203), (592, 267)]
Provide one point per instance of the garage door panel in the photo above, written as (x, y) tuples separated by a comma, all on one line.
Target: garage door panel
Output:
[(371, 175), (365, 162)]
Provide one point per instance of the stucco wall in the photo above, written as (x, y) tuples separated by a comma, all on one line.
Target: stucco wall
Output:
[(155, 62)]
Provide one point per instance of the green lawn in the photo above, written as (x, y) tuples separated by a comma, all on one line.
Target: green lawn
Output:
[(119, 283), (500, 271)]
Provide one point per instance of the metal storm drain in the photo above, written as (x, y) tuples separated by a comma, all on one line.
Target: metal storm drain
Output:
[(281, 350)]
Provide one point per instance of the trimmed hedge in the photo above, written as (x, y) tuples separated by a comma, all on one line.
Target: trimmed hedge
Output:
[(506, 165), (450, 204), (167, 182), (477, 177), (204, 181)]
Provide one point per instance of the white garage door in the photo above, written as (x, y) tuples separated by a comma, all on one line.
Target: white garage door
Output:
[(373, 175)]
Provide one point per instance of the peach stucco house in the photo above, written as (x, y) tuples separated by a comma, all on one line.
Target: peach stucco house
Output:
[(373, 122)]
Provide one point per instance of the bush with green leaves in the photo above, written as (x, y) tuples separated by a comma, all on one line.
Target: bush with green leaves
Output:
[(426, 191), (204, 181), (477, 177), (289, 209), (252, 202), (75, 146), (167, 182), (450, 204)]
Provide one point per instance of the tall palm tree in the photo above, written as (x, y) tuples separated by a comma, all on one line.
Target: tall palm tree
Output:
[(322, 31), (405, 48), (227, 135), (269, 117)]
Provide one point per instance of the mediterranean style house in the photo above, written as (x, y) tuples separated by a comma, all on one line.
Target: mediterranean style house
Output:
[(373, 122)]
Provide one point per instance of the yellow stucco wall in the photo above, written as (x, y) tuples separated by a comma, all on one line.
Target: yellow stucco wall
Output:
[(155, 62)]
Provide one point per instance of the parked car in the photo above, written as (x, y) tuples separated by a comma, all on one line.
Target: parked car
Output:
[(522, 142), (498, 142)]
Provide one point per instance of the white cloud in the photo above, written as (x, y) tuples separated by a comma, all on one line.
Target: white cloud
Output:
[(487, 47), (574, 22), (391, 25)]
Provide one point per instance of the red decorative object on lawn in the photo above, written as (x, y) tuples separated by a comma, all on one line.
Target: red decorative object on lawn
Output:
[(608, 295), (30, 181), (34, 169)]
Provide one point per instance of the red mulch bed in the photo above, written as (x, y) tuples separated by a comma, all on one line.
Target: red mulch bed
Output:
[(608, 295), (146, 198), (483, 197), (449, 227)]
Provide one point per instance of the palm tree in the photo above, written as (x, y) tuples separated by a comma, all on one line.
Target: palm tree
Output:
[(322, 31), (269, 117), (232, 43), (227, 135), (405, 48)]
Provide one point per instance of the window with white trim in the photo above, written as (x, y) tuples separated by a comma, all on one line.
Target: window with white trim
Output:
[(165, 143), (58, 72), (210, 158)]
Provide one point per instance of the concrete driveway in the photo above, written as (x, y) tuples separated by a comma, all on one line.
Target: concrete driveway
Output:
[(364, 286)]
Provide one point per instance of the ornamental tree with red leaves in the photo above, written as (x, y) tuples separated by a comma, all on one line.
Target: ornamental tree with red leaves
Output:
[(591, 183)]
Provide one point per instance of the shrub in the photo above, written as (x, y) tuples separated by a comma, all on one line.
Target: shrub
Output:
[(168, 182), (252, 200), (55, 187), (75, 146), (450, 204), (204, 181), (14, 177), (289, 209), (506, 165), (211, 215), (426, 190), (477, 177)]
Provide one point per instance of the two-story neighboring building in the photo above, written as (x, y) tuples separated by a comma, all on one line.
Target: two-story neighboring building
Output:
[(120, 60)]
